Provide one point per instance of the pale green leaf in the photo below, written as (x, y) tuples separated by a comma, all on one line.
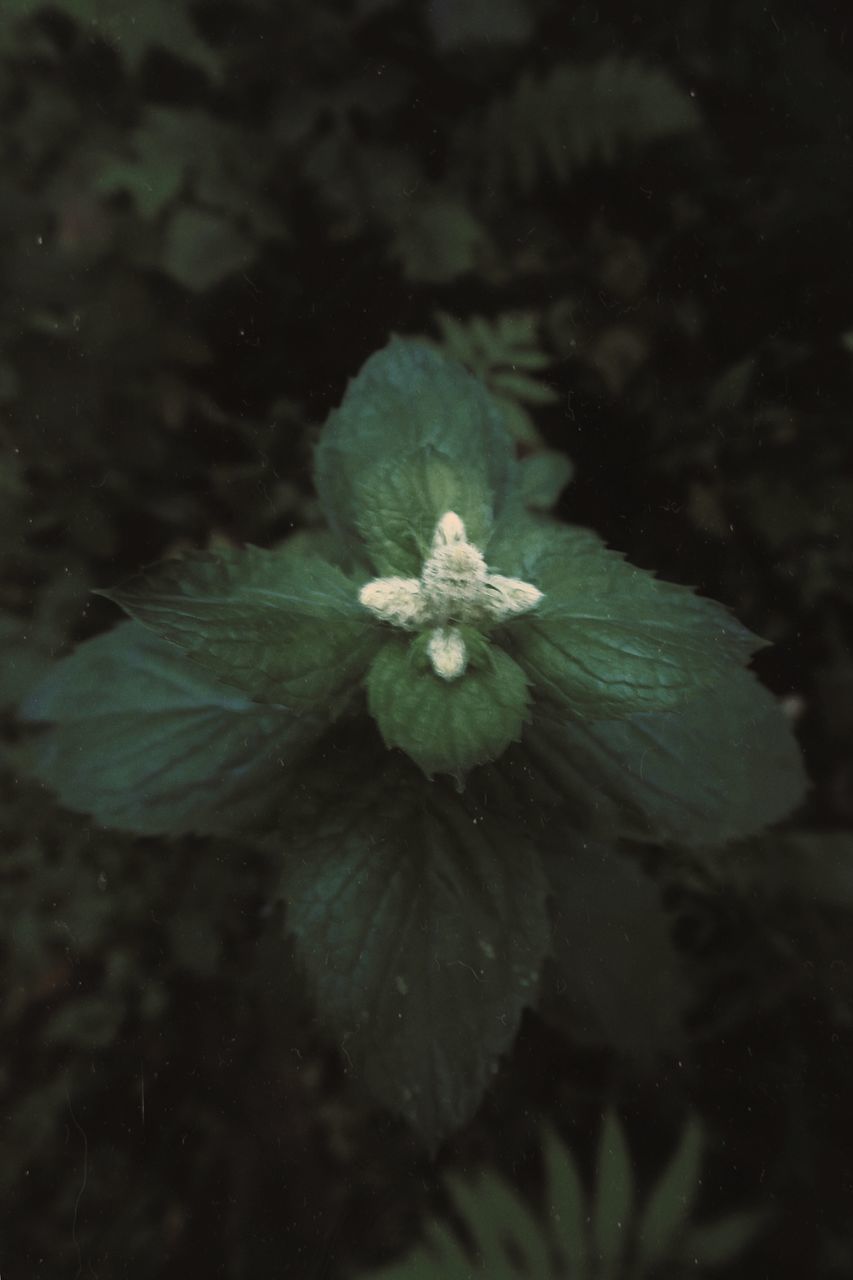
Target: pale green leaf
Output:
[(507, 1237), (566, 1207), (422, 934), (614, 1198), (282, 628), (145, 741), (446, 726), (670, 1205)]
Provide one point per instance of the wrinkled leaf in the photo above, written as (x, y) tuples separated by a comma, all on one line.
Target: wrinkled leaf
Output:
[(610, 639), (409, 402), (446, 726), (282, 628), (422, 933), (722, 767), (145, 741)]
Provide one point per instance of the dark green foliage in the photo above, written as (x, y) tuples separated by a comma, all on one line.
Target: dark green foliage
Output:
[(632, 229), (607, 1236)]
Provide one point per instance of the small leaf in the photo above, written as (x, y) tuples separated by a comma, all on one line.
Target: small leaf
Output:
[(609, 639), (566, 1208), (422, 930), (132, 29), (671, 1203), (439, 240), (509, 1242), (614, 1197), (146, 741), (458, 24), (409, 399), (401, 503), (544, 476), (202, 249), (282, 628), (446, 726)]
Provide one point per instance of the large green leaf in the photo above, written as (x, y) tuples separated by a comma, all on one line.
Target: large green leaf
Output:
[(146, 741), (722, 767), (283, 628), (614, 976), (609, 639), (408, 406), (447, 726), (422, 929)]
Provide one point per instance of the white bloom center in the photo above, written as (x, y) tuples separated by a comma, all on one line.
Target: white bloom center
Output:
[(455, 588)]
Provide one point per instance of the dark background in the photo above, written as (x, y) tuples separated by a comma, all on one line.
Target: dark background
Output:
[(210, 215)]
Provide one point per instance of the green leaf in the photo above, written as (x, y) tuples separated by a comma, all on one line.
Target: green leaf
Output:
[(570, 117), (439, 239), (615, 976), (401, 503), (671, 1203), (566, 1207), (614, 1197), (458, 24), (609, 639), (722, 767), (131, 28), (503, 351), (544, 476), (422, 929), (508, 1240), (446, 726), (408, 405), (146, 741), (202, 249), (282, 628)]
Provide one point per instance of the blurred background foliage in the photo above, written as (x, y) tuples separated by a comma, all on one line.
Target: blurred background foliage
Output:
[(634, 226)]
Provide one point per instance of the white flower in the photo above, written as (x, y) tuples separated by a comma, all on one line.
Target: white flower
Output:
[(455, 588)]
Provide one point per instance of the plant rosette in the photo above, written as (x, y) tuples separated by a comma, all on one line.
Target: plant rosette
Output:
[(531, 690)]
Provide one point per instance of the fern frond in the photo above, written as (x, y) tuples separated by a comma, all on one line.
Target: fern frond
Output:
[(577, 115), (604, 1234), (505, 352)]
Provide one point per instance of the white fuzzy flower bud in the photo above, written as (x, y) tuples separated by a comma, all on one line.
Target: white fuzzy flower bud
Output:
[(396, 600), (455, 587), (510, 595), (447, 653)]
